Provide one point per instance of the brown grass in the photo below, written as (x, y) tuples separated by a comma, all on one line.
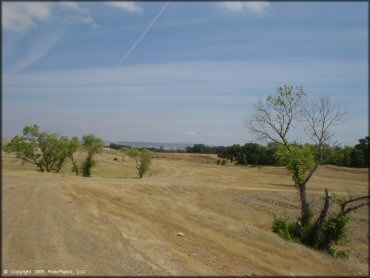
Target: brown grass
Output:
[(115, 223)]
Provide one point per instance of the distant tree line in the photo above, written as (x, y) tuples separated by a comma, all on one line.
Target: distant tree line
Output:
[(161, 150), (256, 154), (200, 148)]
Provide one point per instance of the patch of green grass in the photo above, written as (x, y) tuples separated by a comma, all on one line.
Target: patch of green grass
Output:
[(107, 169)]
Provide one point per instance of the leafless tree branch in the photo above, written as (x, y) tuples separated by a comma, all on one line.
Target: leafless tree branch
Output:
[(319, 117)]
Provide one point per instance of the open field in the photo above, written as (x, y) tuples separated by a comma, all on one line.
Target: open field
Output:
[(117, 224)]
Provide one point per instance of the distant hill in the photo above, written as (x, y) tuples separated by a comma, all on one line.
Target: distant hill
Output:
[(164, 146)]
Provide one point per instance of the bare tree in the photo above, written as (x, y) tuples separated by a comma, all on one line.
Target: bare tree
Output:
[(320, 116), (274, 118), (277, 115)]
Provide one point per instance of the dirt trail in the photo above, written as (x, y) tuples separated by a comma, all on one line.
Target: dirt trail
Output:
[(45, 230), (110, 226)]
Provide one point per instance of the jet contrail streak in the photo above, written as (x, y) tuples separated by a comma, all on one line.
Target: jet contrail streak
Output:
[(144, 33)]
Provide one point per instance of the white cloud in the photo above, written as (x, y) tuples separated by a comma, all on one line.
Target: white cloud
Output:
[(211, 76), (73, 6), (36, 52), (21, 16), (256, 7), (131, 7), (87, 19), (85, 16), (167, 100)]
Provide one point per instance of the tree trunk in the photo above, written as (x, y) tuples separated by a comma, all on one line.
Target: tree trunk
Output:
[(324, 213), (305, 208), (40, 167), (76, 170), (75, 165)]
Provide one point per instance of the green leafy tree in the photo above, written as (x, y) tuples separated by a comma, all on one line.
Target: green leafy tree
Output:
[(346, 151), (143, 159), (357, 158), (124, 151), (45, 150), (298, 160), (360, 153), (93, 145), (72, 148)]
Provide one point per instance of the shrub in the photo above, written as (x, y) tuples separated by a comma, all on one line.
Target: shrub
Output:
[(280, 227), (308, 235), (335, 231), (87, 165), (337, 253)]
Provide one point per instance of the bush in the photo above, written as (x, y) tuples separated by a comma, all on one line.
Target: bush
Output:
[(223, 161), (86, 166), (335, 231), (294, 231), (280, 227), (338, 254), (308, 235)]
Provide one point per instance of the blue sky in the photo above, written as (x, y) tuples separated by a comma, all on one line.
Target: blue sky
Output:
[(192, 78)]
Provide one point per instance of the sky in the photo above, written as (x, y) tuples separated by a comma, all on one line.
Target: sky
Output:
[(185, 72)]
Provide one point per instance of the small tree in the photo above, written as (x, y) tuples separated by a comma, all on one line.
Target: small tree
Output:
[(272, 120), (142, 158), (45, 150), (73, 146), (145, 158), (93, 145), (124, 151)]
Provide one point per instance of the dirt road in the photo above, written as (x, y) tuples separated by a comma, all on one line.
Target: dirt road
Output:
[(114, 226)]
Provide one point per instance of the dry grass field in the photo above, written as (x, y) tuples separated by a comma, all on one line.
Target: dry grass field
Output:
[(117, 224)]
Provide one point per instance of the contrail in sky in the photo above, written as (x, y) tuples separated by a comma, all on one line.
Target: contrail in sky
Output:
[(144, 33)]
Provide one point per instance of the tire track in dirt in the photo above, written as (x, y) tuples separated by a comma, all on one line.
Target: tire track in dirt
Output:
[(236, 256), (114, 226)]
